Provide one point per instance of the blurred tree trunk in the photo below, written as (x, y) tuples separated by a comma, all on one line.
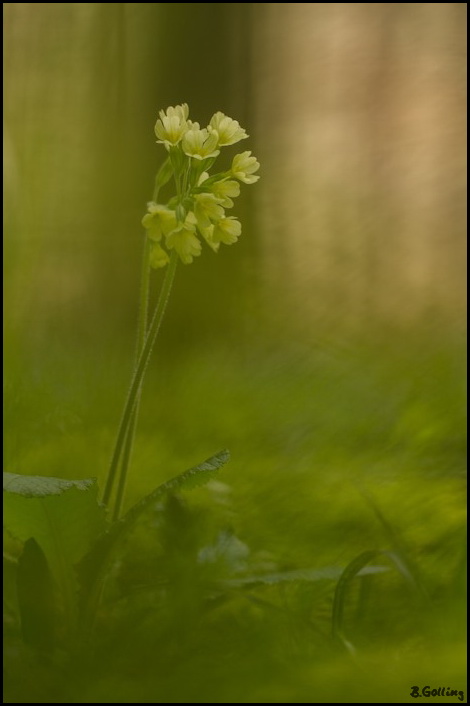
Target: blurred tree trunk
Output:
[(360, 110)]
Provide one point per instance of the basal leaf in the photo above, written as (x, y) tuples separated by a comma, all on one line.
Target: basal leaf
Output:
[(36, 599), (194, 477), (63, 517), (41, 486)]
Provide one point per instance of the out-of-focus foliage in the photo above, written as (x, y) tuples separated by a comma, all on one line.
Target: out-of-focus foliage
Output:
[(324, 351), (320, 440)]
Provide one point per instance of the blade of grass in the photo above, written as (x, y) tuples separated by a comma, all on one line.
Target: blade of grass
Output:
[(401, 553), (354, 568)]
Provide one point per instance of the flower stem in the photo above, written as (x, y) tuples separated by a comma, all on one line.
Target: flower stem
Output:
[(141, 334), (132, 398)]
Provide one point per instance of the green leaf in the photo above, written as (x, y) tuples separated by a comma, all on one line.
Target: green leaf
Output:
[(41, 486), (358, 567), (328, 573), (401, 556), (62, 516), (351, 570), (196, 476), (36, 598)]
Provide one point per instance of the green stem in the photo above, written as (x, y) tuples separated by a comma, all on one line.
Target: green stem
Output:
[(136, 383), (185, 177), (141, 334)]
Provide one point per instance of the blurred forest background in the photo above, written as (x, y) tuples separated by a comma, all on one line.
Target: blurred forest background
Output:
[(356, 111), (327, 345)]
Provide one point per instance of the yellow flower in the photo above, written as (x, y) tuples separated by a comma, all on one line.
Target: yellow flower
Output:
[(207, 208), (172, 125), (159, 220), (181, 111), (227, 231), (200, 144), (207, 233), (228, 130), (175, 227), (158, 257), (225, 190), (184, 240), (244, 166)]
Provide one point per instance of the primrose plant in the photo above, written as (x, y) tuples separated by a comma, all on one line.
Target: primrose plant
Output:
[(68, 534), (174, 231)]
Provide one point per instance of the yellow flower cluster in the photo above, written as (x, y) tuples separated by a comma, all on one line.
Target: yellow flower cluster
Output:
[(198, 208)]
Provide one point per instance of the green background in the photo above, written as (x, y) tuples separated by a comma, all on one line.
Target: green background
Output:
[(325, 349)]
